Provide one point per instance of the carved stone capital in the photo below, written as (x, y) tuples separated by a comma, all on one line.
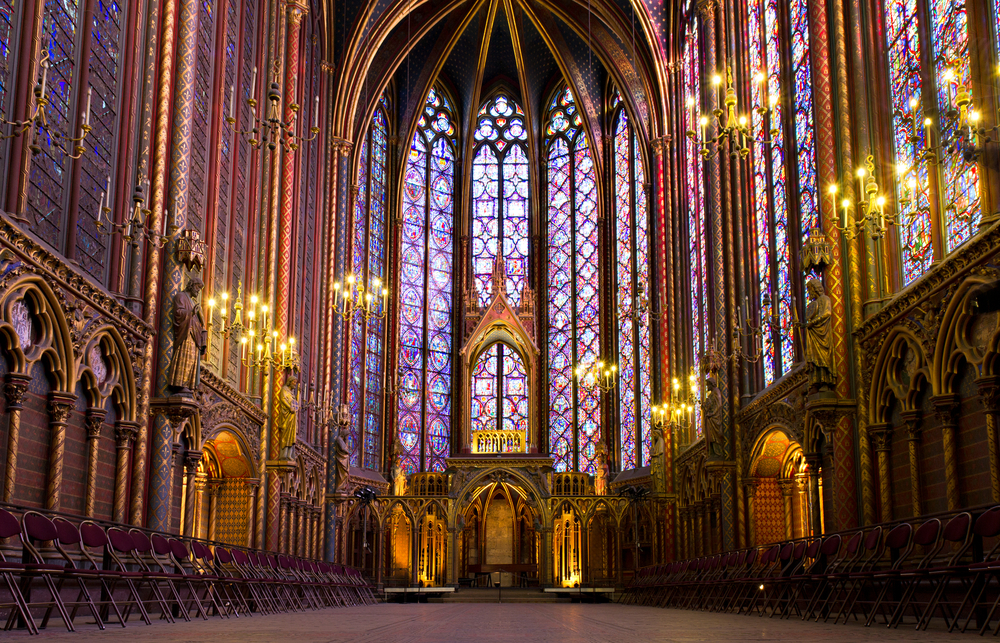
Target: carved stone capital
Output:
[(814, 461), (660, 144), (913, 419), (60, 405), (787, 486), (705, 8), (989, 392), (177, 409), (296, 11), (191, 460), (125, 433), (14, 390), (826, 411), (751, 484), (945, 407), (94, 421), (881, 436)]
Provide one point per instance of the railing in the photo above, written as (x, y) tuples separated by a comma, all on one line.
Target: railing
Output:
[(498, 442)]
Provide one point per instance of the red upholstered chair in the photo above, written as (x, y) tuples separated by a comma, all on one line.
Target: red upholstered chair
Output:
[(809, 580), (37, 528), (843, 581), (199, 566), (93, 537), (935, 568), (151, 575), (864, 582), (11, 572), (69, 536), (230, 582), (978, 575), (178, 555)]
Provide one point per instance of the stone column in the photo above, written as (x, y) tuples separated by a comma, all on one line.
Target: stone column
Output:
[(125, 433), (213, 487), (14, 390), (191, 461), (787, 486), (717, 536), (253, 484), (94, 421), (912, 418), (751, 489), (301, 533), (802, 498), (814, 461), (880, 436), (60, 405), (989, 393), (944, 408)]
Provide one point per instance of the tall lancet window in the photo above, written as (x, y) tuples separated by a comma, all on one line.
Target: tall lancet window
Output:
[(573, 301), (632, 275), (425, 290), (770, 183), (367, 344), (500, 225), (695, 192)]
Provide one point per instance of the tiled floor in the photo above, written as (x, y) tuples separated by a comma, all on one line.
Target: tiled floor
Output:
[(426, 623)]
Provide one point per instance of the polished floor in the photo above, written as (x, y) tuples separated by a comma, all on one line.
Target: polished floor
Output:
[(483, 622)]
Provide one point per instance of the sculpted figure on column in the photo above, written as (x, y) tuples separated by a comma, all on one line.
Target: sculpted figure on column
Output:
[(286, 424), (190, 337), (819, 337), (342, 456), (657, 463), (398, 476), (601, 474), (711, 409)]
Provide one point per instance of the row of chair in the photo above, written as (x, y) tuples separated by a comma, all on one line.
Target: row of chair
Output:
[(116, 572), (886, 572)]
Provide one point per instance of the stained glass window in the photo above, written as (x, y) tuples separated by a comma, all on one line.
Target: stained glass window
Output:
[(202, 108), (960, 179), (903, 53), (6, 56), (632, 275), (367, 344), (49, 167), (805, 138), (771, 220), (573, 312), (425, 290), (91, 246), (695, 191), (500, 225)]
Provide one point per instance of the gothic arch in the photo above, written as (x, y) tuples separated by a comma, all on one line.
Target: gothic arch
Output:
[(901, 370), (953, 342), (105, 368), (31, 300)]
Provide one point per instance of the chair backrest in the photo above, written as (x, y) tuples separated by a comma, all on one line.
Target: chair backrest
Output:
[(957, 529), (899, 537), (927, 533), (988, 523), (141, 540), (160, 545), (38, 527), (813, 549), (179, 550), (224, 555), (120, 541), (93, 535), (831, 545), (67, 531), (8, 525)]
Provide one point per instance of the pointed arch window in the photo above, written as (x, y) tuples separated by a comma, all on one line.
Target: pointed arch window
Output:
[(770, 189), (695, 191), (500, 225), (425, 290), (573, 300), (366, 358), (631, 263)]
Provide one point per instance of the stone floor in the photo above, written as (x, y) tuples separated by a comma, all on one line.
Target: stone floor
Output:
[(427, 623)]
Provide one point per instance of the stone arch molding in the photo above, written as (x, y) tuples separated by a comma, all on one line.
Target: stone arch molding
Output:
[(902, 372), (33, 328), (537, 498)]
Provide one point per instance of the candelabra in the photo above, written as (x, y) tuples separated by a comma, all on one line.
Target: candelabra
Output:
[(352, 297), (135, 228), (599, 376), (271, 128), (40, 122), (871, 205), (260, 346), (735, 127)]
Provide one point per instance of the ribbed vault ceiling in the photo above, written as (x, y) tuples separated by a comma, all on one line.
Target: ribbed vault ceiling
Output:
[(468, 46)]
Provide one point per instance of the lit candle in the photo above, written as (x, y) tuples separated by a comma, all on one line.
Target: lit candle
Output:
[(927, 134), (833, 197), (253, 82), (243, 348), (232, 102), (336, 293), (45, 76), (843, 220), (86, 117), (211, 309), (106, 201), (316, 113)]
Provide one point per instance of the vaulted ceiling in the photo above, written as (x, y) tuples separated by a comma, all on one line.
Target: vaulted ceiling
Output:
[(468, 46)]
